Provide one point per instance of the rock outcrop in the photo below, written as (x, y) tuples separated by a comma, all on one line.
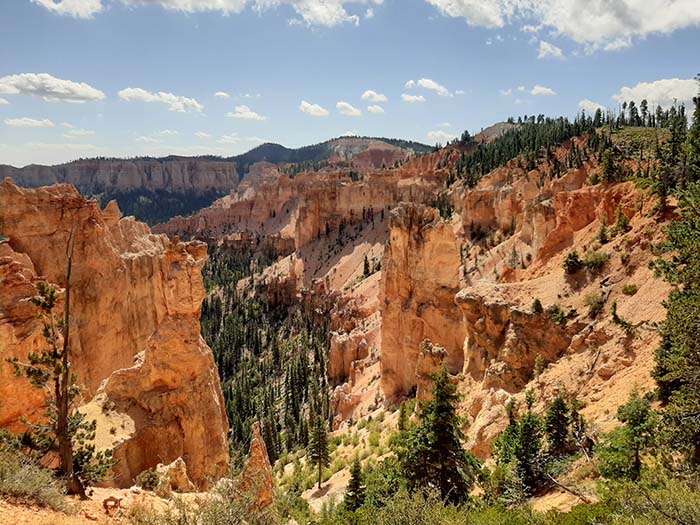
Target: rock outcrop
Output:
[(257, 477), (420, 277), (135, 341), (93, 176), (504, 342)]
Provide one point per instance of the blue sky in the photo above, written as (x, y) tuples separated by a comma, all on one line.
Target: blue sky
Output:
[(83, 78)]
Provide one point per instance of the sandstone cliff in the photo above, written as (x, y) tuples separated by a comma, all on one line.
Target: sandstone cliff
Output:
[(93, 176), (135, 336), (420, 277)]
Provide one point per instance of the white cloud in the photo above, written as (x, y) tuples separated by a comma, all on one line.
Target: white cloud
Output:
[(459, 92), (168, 132), (349, 134), (233, 138), (3, 101), (506, 92), (312, 109), (542, 91), (27, 122), (348, 109), (74, 132), (245, 113), (521, 88), (595, 25), (662, 92), (445, 125), (429, 84), (412, 99), (548, 50), (49, 88), (174, 102), (373, 96), (326, 13), (440, 136), (76, 8), (202, 135), (222, 94), (148, 140), (590, 107), (375, 109)]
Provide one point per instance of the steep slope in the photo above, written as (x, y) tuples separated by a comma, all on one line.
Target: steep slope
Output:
[(136, 347)]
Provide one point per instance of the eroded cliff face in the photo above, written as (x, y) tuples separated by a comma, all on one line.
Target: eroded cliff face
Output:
[(94, 176), (513, 232), (420, 277), (135, 342), (273, 209)]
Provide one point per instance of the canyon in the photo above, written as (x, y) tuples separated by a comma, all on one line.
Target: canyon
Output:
[(412, 285)]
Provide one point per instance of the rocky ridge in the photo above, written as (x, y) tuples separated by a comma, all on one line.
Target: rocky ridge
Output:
[(135, 342)]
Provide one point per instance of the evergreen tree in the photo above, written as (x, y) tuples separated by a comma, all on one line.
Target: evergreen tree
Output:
[(557, 425), (355, 492), (433, 456), (403, 418), (677, 371), (366, 270), (65, 431), (607, 168), (621, 452), (693, 139), (318, 446)]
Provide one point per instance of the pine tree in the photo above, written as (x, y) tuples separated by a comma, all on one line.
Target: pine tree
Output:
[(65, 431), (366, 270), (433, 455), (621, 452), (557, 425), (403, 418), (693, 138), (607, 168), (355, 493), (318, 446), (677, 371)]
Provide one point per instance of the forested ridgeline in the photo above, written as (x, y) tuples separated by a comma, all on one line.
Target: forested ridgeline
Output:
[(532, 139)]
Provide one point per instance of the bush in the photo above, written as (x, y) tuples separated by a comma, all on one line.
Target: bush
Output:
[(537, 306), (594, 261), (629, 289), (572, 263), (557, 314), (223, 505), (595, 304), (148, 480), (22, 479)]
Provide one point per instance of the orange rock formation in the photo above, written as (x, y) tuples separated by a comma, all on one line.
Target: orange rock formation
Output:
[(135, 340)]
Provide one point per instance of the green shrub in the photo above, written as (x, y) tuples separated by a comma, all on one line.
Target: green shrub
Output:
[(148, 480), (537, 306), (557, 314), (595, 304), (629, 289), (622, 223), (24, 480), (594, 261), (572, 263)]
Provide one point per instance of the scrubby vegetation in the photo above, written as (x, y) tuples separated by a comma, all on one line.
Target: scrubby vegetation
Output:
[(24, 480)]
